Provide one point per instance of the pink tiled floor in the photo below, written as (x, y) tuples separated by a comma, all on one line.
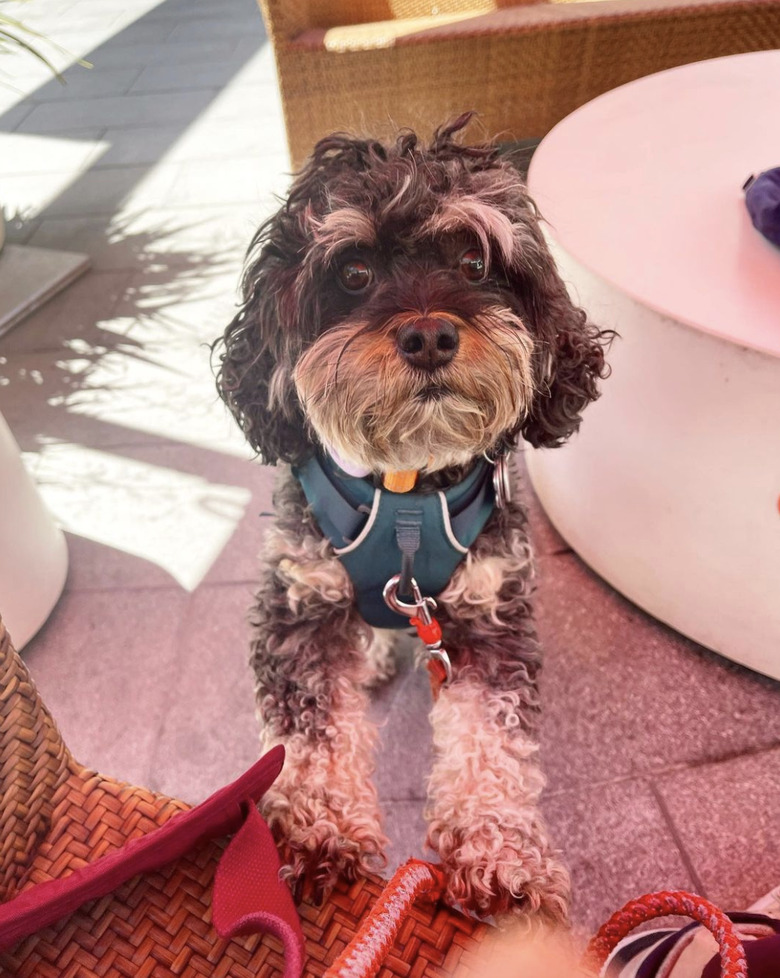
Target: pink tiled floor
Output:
[(663, 759)]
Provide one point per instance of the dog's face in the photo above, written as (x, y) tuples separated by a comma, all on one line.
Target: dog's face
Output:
[(402, 308)]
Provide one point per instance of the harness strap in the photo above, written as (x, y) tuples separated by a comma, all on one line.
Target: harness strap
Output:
[(408, 531)]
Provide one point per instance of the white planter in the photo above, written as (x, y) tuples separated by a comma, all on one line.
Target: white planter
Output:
[(33, 553), (670, 489)]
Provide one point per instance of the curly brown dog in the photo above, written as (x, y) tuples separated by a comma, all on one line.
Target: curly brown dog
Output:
[(402, 315)]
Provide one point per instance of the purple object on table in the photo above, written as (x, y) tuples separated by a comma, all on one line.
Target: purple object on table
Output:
[(762, 197)]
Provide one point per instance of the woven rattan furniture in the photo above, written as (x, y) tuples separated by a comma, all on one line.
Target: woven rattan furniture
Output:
[(373, 65), (56, 816)]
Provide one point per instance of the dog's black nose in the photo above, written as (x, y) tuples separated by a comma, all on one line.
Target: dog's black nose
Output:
[(428, 343)]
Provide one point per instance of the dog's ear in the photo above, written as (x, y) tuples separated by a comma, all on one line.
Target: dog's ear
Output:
[(569, 352), (280, 306), (258, 350)]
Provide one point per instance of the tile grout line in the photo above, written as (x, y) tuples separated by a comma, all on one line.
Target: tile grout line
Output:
[(663, 772), (677, 839), (135, 588)]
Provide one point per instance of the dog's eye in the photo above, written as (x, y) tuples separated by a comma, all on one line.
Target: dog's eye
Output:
[(472, 265), (355, 275)]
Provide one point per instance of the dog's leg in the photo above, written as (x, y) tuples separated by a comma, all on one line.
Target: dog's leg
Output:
[(484, 790), (310, 658)]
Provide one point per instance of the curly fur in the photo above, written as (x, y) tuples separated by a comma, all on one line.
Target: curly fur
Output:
[(323, 807), (356, 193), (306, 362), (487, 830)]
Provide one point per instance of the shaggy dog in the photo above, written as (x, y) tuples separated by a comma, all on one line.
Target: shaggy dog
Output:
[(401, 313)]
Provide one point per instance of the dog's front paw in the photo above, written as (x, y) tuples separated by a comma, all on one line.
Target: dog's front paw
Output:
[(495, 871), (323, 833)]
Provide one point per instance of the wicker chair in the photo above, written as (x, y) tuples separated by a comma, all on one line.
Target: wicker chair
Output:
[(371, 66)]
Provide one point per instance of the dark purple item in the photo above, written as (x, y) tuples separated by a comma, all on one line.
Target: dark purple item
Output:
[(762, 197)]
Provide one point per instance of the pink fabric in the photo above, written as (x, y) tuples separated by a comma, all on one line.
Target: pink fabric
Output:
[(219, 815), (248, 895)]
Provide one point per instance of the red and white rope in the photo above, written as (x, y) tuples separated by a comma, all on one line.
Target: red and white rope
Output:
[(369, 948)]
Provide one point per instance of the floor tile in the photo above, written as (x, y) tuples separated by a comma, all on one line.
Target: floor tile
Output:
[(126, 110), (198, 242), (208, 735), (14, 117), (139, 145), (176, 78), (128, 394), (191, 53), (617, 845), (726, 816), (26, 155), (204, 141), (187, 292), (202, 28), (405, 751), (624, 695), (225, 182), (73, 315), (406, 829), (251, 100), (154, 515), (99, 81), (103, 191), (104, 667)]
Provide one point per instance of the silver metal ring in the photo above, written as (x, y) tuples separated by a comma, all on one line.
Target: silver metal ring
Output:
[(502, 483)]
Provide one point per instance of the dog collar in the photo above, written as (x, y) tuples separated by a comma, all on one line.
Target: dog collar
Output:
[(371, 529)]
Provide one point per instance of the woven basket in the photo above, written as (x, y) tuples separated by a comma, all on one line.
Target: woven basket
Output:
[(57, 816)]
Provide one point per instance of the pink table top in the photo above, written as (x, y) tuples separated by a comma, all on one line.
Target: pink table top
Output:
[(643, 186)]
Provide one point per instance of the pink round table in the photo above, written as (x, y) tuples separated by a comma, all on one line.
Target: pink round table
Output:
[(671, 490)]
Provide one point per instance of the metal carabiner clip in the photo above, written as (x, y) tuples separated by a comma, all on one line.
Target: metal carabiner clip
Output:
[(419, 615), (419, 608)]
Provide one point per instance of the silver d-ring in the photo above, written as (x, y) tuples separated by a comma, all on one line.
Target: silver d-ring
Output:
[(502, 483)]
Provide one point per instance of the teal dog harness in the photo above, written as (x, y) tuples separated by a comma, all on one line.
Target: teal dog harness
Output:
[(377, 533)]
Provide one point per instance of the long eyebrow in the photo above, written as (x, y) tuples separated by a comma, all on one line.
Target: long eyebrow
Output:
[(341, 228), (490, 225)]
